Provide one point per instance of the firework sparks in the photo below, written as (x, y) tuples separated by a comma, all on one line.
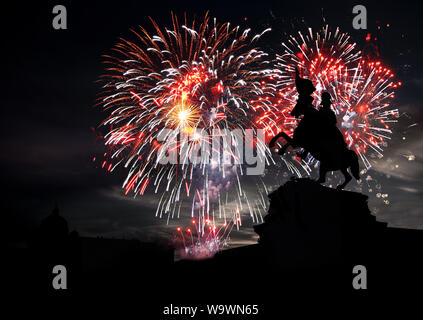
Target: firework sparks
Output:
[(197, 243), (194, 78)]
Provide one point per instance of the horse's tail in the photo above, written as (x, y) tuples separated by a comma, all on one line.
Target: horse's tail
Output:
[(354, 166)]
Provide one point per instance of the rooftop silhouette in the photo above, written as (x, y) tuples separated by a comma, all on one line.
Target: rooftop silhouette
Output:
[(310, 240)]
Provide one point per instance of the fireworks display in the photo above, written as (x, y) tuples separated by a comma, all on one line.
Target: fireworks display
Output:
[(200, 76), (193, 78), (362, 90)]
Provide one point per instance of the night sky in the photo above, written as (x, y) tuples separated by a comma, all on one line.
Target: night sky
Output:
[(49, 90)]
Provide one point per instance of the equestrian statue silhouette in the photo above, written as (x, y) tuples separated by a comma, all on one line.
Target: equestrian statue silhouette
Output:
[(318, 135)]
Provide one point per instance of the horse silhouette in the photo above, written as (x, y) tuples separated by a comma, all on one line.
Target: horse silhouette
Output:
[(318, 135)]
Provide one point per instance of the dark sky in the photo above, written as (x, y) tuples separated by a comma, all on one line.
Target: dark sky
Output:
[(49, 91)]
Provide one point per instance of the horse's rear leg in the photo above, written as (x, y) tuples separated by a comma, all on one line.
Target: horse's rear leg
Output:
[(354, 166), (322, 174), (347, 179)]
